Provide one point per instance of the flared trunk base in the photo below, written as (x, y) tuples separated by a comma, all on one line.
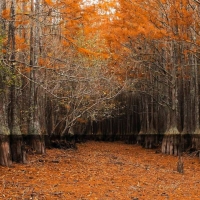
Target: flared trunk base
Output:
[(149, 141), (171, 145), (18, 149), (36, 142), (5, 153), (195, 143), (176, 144)]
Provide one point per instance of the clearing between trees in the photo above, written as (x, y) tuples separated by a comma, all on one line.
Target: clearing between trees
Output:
[(101, 171)]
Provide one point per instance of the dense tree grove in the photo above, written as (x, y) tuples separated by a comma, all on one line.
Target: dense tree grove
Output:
[(105, 70)]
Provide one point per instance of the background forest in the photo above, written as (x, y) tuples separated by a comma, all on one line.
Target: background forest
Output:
[(105, 70)]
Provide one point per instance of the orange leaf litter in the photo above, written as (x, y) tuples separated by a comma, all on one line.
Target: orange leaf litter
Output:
[(101, 171)]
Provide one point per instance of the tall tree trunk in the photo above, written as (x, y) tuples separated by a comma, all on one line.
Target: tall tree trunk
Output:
[(36, 139), (18, 153), (185, 106), (143, 121), (170, 141), (5, 153), (196, 136), (196, 90)]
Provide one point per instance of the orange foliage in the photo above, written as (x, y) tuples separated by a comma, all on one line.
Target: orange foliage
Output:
[(20, 43), (41, 61), (49, 2), (21, 21), (85, 51), (6, 13), (120, 26), (3, 51), (27, 69)]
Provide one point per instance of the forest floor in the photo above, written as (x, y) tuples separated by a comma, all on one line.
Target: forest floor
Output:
[(101, 171)]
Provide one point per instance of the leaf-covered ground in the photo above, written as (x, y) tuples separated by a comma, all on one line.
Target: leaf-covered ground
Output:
[(103, 171)]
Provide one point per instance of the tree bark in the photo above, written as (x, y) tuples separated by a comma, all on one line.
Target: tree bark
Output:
[(5, 152), (36, 140), (16, 136)]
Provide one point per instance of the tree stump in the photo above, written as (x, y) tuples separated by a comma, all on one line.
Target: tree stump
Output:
[(180, 165)]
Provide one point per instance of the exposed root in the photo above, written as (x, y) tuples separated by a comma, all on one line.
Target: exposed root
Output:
[(192, 152)]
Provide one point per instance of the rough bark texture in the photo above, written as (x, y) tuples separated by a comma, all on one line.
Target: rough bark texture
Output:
[(170, 144), (5, 154), (195, 142), (37, 143), (17, 149)]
